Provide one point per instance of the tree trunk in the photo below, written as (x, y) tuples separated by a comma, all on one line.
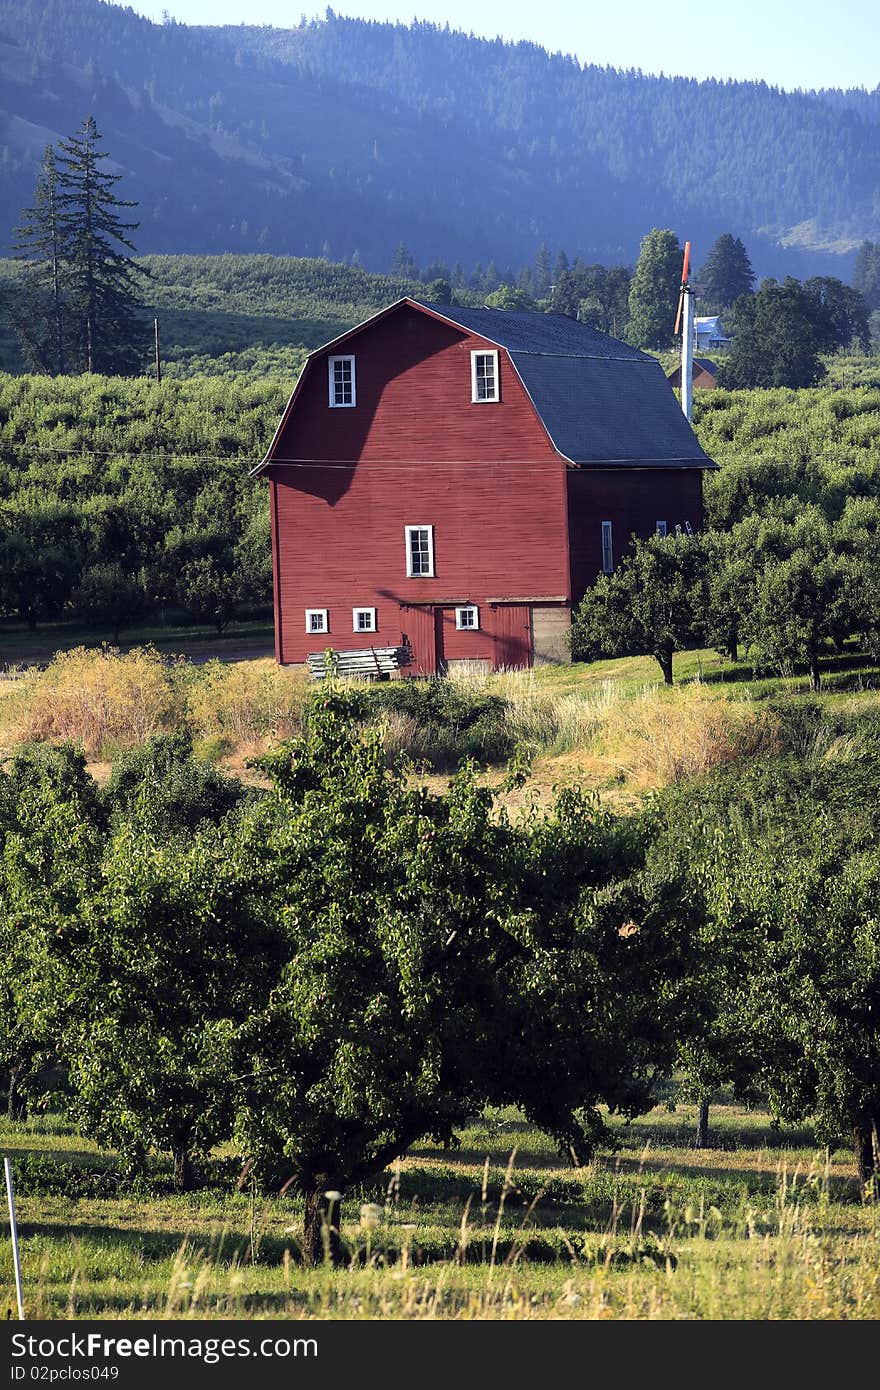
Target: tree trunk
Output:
[(320, 1230), (665, 661), (815, 674), (16, 1108), (183, 1170), (702, 1136), (866, 1161), (733, 646)]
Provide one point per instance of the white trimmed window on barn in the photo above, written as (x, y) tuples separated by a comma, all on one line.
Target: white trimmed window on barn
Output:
[(341, 381), (607, 548), (484, 377), (420, 552), (661, 528), (317, 620), (363, 620), (467, 617)]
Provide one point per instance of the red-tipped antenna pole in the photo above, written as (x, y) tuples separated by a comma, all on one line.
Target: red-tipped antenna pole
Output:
[(685, 318)]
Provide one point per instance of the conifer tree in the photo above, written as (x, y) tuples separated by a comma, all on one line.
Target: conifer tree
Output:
[(39, 241), (99, 278), (727, 272)]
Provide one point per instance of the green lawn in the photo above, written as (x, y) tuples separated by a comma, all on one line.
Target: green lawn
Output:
[(764, 1224)]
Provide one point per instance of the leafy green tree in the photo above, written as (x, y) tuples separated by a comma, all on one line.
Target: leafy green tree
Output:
[(726, 273), (857, 534), (430, 944), (786, 859), (107, 596), (438, 292), (801, 596), (654, 604), (597, 295), (778, 335), (99, 279), (39, 556), (653, 294), (506, 297), (845, 310), (51, 824), (163, 784)]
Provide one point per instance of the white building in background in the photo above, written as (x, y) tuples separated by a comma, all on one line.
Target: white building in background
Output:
[(709, 333)]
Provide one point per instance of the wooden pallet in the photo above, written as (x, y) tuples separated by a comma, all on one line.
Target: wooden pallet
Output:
[(368, 661)]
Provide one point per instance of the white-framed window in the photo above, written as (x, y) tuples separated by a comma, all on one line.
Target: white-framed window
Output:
[(688, 529), (484, 376), (340, 373), (363, 620), (420, 552), (607, 548), (317, 620), (661, 528), (467, 617)]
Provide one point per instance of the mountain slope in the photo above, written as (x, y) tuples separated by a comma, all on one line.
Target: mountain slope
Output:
[(341, 136)]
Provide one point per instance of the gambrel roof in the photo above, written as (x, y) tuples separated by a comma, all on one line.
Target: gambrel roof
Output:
[(603, 403)]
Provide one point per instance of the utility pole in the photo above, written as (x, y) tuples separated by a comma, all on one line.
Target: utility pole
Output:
[(156, 349), (685, 318)]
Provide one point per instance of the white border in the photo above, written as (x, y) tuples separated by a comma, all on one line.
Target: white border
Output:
[(354, 620), (409, 571), (484, 400), (341, 405), (467, 627), (325, 615)]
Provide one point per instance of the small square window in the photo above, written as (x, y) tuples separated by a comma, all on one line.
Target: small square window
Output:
[(467, 617), (484, 377), (661, 528), (420, 552), (363, 620), (317, 620), (607, 548), (341, 381)]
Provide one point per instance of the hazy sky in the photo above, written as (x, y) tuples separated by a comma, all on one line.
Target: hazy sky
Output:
[(789, 43)]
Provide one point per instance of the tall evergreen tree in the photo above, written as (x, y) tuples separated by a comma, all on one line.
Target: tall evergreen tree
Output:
[(99, 278), (778, 336), (40, 314), (866, 273), (653, 294), (727, 272)]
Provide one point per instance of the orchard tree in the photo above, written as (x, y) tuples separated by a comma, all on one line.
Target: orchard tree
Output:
[(430, 943), (654, 604), (653, 294), (726, 273), (801, 596), (790, 873), (108, 596)]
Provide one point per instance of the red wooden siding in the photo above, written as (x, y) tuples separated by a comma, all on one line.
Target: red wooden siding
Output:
[(413, 380), (633, 500), (415, 450)]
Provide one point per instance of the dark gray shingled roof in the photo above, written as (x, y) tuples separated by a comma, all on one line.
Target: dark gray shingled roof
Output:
[(601, 401)]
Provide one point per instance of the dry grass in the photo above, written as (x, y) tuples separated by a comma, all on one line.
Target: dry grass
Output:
[(97, 699), (246, 701), (662, 736)]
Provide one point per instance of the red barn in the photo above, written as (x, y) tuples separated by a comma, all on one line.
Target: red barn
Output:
[(452, 480)]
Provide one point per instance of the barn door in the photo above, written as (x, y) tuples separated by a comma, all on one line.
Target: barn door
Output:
[(513, 635), (419, 633)]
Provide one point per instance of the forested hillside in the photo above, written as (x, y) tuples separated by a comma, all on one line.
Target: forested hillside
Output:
[(344, 138)]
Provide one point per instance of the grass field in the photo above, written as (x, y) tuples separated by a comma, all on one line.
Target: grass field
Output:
[(762, 1225)]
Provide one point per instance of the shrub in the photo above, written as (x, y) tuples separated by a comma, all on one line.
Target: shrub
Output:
[(163, 782), (93, 698)]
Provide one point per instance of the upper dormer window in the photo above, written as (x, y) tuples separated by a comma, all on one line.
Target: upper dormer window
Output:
[(484, 376), (341, 379)]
